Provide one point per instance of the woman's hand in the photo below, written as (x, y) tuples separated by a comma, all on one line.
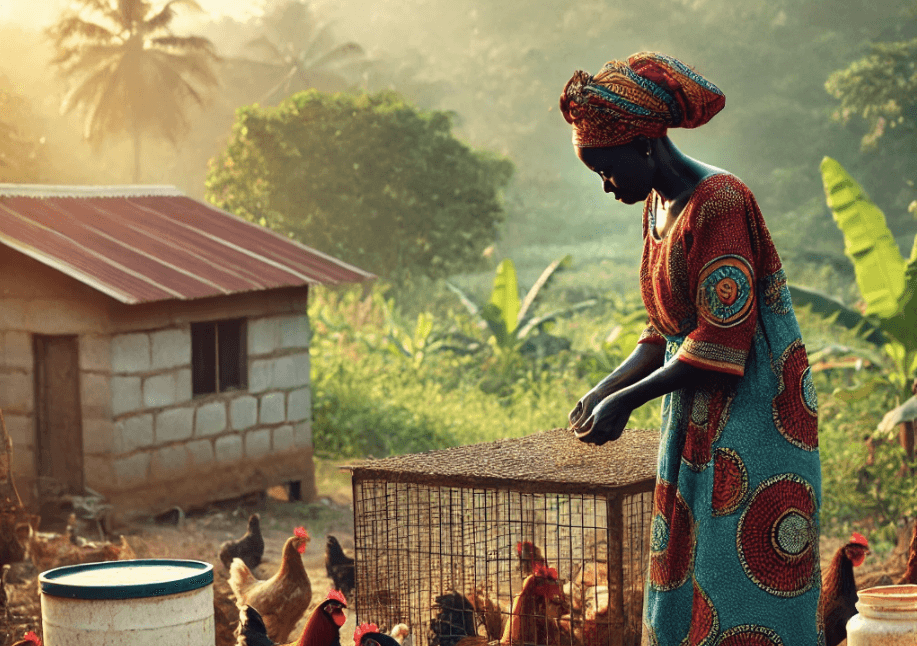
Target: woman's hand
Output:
[(606, 421), (583, 409)]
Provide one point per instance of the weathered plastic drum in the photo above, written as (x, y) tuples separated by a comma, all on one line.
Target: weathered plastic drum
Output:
[(147, 602)]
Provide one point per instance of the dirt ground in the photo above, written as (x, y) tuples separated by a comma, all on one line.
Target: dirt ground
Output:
[(199, 534)]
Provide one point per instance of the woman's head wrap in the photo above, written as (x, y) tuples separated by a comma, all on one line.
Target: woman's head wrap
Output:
[(645, 95)]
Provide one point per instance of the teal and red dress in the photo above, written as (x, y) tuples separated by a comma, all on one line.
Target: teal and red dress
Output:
[(734, 536)]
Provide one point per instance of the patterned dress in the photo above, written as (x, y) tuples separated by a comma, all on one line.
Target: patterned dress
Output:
[(734, 536)]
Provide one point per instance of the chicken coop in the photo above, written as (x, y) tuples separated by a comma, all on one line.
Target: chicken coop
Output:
[(445, 540)]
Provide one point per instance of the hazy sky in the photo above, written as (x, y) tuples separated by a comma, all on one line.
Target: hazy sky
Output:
[(30, 13)]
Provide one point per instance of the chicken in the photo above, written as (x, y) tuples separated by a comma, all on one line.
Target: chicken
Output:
[(454, 620), (29, 639), (529, 555), (838, 591), (488, 612), (910, 572), (282, 599), (339, 566), (402, 634), (249, 548), (322, 629), (369, 635), (49, 550), (534, 619)]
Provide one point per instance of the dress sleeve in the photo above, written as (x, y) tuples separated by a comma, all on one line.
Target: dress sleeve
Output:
[(721, 275), (651, 335)]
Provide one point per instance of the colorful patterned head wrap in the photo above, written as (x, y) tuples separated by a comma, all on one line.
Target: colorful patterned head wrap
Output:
[(645, 95)]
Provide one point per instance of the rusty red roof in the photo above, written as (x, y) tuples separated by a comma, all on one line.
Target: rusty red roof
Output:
[(151, 243)]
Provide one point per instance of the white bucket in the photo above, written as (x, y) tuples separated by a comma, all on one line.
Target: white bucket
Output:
[(147, 602)]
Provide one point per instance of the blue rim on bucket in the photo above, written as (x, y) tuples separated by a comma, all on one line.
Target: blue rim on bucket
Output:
[(54, 582)]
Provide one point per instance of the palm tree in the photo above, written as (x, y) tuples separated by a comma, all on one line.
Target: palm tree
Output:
[(19, 149), (298, 53), (129, 72)]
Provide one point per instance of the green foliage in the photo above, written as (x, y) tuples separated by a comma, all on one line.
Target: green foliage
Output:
[(880, 87), (886, 282), (367, 178), (509, 318), (861, 473), (836, 311), (368, 400)]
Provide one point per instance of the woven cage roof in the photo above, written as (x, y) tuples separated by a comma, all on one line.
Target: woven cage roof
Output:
[(545, 462)]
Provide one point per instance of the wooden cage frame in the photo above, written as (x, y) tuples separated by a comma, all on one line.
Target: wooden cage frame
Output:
[(453, 519)]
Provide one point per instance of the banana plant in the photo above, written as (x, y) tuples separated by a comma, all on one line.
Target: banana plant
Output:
[(886, 281), (507, 317)]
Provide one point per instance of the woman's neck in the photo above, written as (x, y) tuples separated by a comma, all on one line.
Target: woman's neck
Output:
[(677, 175)]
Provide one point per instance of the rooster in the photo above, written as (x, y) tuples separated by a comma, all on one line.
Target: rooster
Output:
[(29, 639), (529, 555), (249, 548), (339, 566), (534, 619), (322, 629), (284, 598), (910, 572), (838, 591), (369, 635)]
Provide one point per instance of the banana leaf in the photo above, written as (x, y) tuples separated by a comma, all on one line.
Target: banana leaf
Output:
[(868, 243), (505, 297), (826, 306), (560, 263)]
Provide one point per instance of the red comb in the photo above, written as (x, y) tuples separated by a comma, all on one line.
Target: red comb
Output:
[(362, 630), (543, 570), (301, 533), (859, 539), (336, 595), (32, 637)]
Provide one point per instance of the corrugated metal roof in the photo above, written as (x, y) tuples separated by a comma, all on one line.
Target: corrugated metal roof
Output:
[(151, 243)]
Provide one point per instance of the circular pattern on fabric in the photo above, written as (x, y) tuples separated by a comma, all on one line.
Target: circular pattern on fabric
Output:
[(705, 620), (671, 566), (724, 293), (730, 482), (777, 536), (776, 294), (793, 533), (795, 408), (659, 534), (749, 635), (809, 396), (709, 414)]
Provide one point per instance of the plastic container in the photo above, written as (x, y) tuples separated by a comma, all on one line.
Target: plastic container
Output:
[(887, 617), (146, 602)]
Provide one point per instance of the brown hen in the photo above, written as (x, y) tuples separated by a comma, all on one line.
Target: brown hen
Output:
[(284, 598)]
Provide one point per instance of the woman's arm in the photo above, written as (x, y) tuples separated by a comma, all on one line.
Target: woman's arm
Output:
[(608, 419), (642, 362)]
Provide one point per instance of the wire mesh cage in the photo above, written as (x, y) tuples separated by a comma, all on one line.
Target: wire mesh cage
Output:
[(538, 540)]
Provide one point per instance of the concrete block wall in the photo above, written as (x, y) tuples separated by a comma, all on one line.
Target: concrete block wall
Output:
[(17, 401), (161, 432)]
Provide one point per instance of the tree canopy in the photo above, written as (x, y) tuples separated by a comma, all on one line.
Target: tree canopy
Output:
[(367, 178)]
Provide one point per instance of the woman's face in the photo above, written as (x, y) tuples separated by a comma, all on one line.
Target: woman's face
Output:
[(626, 170)]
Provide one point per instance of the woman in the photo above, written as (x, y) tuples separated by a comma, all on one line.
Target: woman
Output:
[(734, 537)]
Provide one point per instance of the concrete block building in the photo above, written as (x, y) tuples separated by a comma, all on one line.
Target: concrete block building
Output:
[(152, 347)]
